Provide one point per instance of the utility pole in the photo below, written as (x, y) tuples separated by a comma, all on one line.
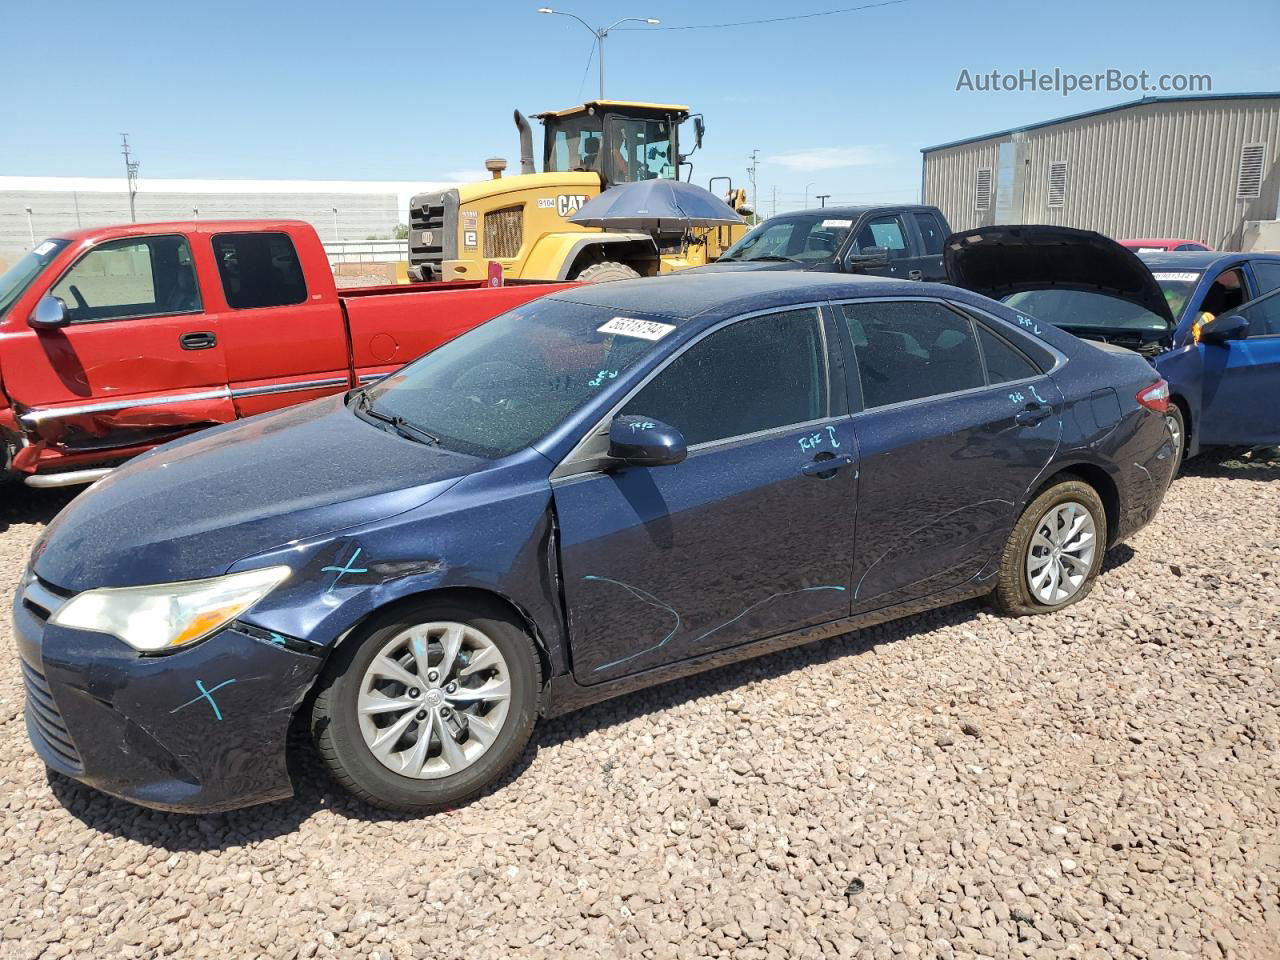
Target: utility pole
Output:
[(335, 223), (31, 230), (775, 203), (131, 175), (822, 198), (751, 172)]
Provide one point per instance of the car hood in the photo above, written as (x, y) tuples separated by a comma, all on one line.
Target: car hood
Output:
[(1003, 260), (193, 508)]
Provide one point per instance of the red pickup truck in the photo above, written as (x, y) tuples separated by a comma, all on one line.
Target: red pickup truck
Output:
[(115, 339)]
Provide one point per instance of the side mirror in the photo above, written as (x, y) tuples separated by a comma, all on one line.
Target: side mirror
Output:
[(50, 313), (643, 442), (1229, 326), (869, 257), (699, 128)]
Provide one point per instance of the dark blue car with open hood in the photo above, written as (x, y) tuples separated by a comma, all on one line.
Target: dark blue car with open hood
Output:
[(598, 491)]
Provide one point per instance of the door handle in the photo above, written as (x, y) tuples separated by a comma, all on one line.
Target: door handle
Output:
[(1032, 414), (200, 340), (915, 274), (825, 465)]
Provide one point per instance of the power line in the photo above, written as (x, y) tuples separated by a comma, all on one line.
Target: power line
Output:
[(591, 55), (798, 16)]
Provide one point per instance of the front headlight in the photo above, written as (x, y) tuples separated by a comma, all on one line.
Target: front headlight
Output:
[(166, 616)]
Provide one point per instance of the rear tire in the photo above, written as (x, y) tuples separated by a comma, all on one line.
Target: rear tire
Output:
[(1177, 425), (1045, 566), (605, 271), (447, 701)]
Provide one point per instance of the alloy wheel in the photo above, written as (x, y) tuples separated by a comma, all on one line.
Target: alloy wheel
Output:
[(1060, 554), (1175, 433), (434, 699)]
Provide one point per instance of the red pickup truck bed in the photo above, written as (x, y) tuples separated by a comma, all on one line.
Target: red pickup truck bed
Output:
[(161, 329)]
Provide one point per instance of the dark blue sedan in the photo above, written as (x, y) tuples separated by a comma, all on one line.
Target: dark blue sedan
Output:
[(1208, 321), (598, 491)]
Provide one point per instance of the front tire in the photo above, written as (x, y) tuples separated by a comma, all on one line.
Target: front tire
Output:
[(427, 706), (1054, 552), (605, 271)]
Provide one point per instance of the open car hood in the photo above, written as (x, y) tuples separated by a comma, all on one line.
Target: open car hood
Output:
[(1003, 260)]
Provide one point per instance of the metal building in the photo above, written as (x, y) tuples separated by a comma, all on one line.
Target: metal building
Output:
[(1181, 166)]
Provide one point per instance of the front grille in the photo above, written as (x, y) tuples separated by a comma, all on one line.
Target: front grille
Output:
[(503, 230), (47, 720), (433, 228)]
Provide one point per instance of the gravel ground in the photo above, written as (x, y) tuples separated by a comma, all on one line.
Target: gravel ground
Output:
[(1098, 783)]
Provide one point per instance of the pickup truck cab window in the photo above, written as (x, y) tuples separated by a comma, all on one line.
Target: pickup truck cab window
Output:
[(886, 232), (128, 278), (751, 376), (259, 270), (932, 236)]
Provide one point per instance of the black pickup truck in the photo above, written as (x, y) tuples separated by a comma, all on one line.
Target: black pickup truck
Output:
[(897, 240)]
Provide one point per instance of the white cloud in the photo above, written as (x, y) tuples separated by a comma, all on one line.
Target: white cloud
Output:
[(826, 158)]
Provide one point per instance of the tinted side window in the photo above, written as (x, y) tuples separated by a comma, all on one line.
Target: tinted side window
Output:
[(1267, 275), (1004, 361), (930, 232), (148, 276), (259, 270), (753, 375), (1263, 315), (907, 350), (884, 232)]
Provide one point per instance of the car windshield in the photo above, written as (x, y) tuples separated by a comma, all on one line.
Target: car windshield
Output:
[(15, 280), (504, 385), (1177, 287), (806, 238), (1083, 309)]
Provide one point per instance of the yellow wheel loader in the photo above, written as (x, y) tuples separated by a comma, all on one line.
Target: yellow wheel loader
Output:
[(521, 221)]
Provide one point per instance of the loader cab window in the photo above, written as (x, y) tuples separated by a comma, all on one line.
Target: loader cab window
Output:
[(639, 149), (573, 143)]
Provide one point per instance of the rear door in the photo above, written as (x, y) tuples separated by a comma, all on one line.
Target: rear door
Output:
[(930, 236), (1240, 400), (749, 537), (283, 343), (140, 360), (955, 423)]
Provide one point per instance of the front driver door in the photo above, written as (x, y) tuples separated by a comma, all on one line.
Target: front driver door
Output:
[(746, 538), (1241, 385)]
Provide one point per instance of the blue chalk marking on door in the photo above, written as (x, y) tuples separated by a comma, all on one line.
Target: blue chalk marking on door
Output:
[(831, 432), (1036, 395), (645, 597), (348, 567), (761, 603), (206, 695)]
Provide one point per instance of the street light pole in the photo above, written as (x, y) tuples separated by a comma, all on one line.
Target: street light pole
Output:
[(822, 198), (600, 33), (806, 194), (31, 230)]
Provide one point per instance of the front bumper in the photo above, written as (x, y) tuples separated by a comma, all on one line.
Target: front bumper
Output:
[(196, 731)]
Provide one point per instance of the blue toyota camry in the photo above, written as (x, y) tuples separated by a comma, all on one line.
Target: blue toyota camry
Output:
[(598, 491)]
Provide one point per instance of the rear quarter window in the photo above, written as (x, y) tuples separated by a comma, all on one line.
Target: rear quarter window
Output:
[(259, 270)]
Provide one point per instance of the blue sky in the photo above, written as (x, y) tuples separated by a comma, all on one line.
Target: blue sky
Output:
[(424, 90)]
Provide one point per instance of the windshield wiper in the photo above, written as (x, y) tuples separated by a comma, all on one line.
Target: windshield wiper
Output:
[(772, 256), (406, 428)]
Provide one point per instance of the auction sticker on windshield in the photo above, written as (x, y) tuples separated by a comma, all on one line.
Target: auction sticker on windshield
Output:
[(632, 327), (1176, 277)]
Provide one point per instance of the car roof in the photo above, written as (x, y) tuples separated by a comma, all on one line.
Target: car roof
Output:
[(853, 212), (709, 297), (1198, 259)]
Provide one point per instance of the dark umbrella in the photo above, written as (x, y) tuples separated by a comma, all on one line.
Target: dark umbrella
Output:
[(648, 204)]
